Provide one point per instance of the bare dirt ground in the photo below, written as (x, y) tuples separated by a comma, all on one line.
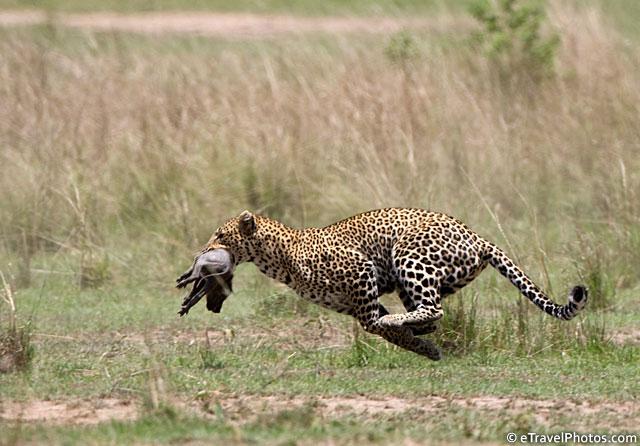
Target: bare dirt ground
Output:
[(239, 409), (627, 336), (232, 25), (69, 412), (544, 411)]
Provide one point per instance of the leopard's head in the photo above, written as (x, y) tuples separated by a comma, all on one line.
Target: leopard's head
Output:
[(236, 235)]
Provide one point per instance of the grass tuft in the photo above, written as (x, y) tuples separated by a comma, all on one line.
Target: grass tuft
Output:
[(16, 349)]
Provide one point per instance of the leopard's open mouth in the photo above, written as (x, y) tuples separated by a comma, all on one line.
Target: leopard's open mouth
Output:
[(211, 275)]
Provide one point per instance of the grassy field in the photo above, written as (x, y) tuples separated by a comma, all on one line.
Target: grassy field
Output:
[(120, 153)]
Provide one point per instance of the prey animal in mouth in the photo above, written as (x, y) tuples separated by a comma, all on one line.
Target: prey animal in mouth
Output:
[(211, 274)]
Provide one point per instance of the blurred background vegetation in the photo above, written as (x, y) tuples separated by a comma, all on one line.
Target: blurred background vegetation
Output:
[(120, 153)]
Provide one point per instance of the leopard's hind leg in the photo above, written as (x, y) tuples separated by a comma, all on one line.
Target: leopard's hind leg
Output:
[(427, 310), (410, 305), (428, 328), (366, 310)]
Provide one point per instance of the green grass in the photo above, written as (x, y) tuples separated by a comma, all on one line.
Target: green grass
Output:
[(625, 14), (97, 343), (90, 343)]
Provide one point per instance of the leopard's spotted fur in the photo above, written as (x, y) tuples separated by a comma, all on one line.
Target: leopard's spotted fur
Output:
[(346, 266)]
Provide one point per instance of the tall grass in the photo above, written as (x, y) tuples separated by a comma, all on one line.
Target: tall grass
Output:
[(116, 147)]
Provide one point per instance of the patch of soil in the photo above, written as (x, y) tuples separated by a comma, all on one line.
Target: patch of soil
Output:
[(544, 411), (239, 409), (627, 336), (68, 412), (13, 18), (232, 24)]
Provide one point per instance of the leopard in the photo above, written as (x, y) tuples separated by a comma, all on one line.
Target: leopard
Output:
[(424, 256)]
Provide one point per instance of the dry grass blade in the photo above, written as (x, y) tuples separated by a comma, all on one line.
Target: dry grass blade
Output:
[(7, 296)]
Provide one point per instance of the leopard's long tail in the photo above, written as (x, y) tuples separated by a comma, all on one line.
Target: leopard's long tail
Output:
[(577, 296)]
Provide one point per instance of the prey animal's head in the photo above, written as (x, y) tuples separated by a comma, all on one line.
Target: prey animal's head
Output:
[(211, 274), (212, 270)]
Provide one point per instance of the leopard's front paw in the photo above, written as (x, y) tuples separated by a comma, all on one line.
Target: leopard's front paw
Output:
[(430, 350)]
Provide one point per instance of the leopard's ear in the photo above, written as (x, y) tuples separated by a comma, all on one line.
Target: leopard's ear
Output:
[(246, 224)]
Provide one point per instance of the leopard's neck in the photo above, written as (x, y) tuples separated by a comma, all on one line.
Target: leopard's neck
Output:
[(271, 249)]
